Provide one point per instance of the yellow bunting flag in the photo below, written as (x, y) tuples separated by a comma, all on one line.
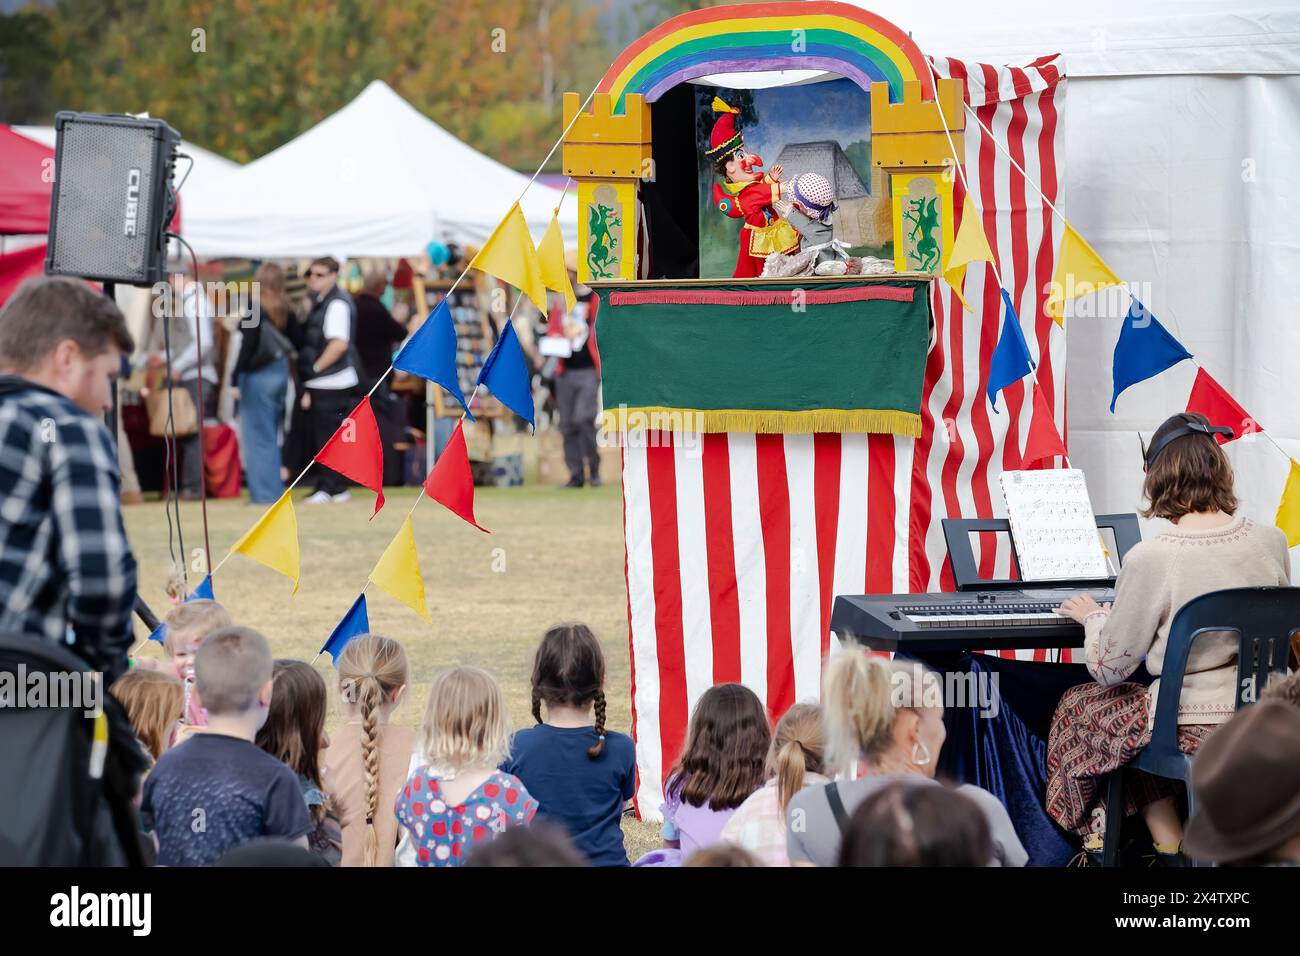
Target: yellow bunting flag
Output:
[(550, 254), (971, 245), (273, 541), (1079, 271), (1288, 509), (398, 571), (509, 254)]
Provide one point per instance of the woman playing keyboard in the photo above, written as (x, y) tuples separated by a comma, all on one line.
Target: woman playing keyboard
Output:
[(1099, 727)]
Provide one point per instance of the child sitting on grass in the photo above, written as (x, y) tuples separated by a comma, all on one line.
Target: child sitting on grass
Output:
[(367, 759), (154, 702), (795, 760), (185, 627), (581, 774), (721, 765), (455, 797), (294, 733), (218, 789)]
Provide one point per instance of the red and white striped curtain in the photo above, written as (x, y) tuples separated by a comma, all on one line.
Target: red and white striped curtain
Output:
[(737, 544)]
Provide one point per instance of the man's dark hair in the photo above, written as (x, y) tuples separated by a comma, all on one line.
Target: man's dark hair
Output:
[(48, 309), (329, 262)]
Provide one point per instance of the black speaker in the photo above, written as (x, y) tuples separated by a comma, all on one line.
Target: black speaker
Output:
[(112, 199)]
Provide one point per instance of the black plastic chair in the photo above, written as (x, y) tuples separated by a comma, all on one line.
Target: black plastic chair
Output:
[(1264, 620)]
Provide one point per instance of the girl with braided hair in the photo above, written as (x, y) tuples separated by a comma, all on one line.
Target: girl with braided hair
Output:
[(581, 774), (367, 760)]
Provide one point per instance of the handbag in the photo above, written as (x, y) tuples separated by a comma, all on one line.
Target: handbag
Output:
[(185, 419), (272, 344)]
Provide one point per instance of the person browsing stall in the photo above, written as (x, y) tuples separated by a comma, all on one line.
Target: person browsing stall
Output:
[(328, 365), (1100, 726)]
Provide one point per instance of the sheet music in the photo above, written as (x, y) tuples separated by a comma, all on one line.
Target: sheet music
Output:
[(1052, 525)]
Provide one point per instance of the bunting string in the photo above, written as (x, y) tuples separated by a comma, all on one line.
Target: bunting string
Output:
[(960, 167), (1288, 516)]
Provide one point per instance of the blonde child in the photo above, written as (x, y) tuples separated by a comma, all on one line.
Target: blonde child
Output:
[(366, 763), (187, 625), (794, 761), (154, 702), (455, 797)]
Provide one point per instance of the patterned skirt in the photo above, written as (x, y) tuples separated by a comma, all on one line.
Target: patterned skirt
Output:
[(1096, 730)]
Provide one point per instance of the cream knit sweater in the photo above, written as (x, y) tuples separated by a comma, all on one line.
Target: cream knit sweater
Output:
[(1159, 576)]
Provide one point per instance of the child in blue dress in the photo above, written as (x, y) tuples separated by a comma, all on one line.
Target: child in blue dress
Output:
[(581, 773), (455, 798)]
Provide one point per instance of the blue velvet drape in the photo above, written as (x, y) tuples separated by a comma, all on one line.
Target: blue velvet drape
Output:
[(1006, 754)]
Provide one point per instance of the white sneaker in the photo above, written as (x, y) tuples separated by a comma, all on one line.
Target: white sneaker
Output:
[(342, 496), (319, 498)]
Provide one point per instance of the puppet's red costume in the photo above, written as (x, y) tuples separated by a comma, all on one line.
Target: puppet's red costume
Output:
[(764, 232)]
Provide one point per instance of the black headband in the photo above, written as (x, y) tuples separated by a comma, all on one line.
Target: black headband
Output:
[(1150, 455)]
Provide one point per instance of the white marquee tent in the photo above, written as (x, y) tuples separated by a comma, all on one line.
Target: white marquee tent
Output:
[(1181, 124), (377, 178)]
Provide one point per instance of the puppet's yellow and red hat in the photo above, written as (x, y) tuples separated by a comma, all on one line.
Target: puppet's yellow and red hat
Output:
[(726, 137)]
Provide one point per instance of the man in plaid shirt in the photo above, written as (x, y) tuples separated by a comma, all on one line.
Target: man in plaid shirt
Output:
[(67, 574)]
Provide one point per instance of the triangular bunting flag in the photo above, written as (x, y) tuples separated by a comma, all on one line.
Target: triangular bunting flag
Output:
[(203, 591), (159, 633), (1288, 509), (1209, 398), (431, 353), (355, 451), (550, 256), (507, 375), (1144, 349), (353, 624), (1043, 440), (1011, 361), (451, 483), (971, 245), (398, 571), (509, 254), (1079, 271), (273, 541)]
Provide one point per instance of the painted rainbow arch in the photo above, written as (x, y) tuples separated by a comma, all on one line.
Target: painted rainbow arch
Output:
[(836, 37)]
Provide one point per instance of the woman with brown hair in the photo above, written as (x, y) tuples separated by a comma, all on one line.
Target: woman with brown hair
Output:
[(262, 376), (1099, 727)]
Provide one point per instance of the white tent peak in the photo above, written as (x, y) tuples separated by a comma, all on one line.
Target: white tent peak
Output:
[(376, 178)]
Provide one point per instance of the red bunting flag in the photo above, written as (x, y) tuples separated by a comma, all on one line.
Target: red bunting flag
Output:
[(356, 452), (450, 483), (1211, 400), (1043, 440)]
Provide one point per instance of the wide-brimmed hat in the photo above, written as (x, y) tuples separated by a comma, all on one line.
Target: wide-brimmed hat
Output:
[(1246, 783)]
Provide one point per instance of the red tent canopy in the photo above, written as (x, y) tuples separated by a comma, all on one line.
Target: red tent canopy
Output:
[(25, 183)]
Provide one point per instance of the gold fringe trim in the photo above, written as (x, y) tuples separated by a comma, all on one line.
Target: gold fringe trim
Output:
[(660, 418)]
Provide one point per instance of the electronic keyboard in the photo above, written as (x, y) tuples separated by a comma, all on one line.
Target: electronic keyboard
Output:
[(981, 614), (970, 620)]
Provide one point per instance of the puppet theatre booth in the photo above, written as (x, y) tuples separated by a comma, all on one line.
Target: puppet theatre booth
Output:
[(842, 412)]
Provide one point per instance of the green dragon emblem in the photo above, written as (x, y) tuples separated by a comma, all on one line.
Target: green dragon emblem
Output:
[(602, 251), (924, 216)]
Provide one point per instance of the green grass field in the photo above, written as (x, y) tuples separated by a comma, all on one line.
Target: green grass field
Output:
[(554, 555)]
